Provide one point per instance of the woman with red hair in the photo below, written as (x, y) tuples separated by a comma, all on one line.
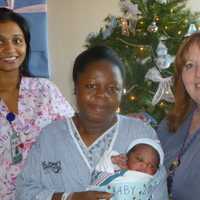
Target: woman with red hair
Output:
[(180, 131)]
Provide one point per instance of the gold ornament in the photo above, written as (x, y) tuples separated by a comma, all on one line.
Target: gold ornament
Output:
[(125, 27)]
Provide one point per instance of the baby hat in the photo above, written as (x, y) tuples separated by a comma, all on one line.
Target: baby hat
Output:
[(151, 142)]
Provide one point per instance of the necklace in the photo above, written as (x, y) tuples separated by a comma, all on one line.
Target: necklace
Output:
[(15, 141)]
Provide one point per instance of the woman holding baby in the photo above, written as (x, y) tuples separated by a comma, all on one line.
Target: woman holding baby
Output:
[(60, 165)]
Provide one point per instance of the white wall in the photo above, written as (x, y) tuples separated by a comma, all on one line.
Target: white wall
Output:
[(194, 5), (70, 21)]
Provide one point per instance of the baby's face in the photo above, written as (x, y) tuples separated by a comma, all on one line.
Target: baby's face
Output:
[(144, 159)]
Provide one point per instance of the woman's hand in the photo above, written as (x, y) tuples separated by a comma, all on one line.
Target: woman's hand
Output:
[(120, 160), (91, 195)]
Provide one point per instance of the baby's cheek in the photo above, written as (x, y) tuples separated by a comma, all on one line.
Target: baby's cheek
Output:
[(133, 166), (151, 171)]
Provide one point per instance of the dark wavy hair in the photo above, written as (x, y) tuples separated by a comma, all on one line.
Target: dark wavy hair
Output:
[(183, 101), (7, 15)]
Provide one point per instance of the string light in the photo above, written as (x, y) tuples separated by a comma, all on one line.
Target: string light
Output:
[(167, 92), (132, 98), (166, 27), (141, 48), (179, 32), (162, 104), (157, 18), (141, 22), (124, 24)]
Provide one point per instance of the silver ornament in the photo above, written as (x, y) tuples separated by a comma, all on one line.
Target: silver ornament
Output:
[(192, 29), (161, 49), (152, 28), (164, 62)]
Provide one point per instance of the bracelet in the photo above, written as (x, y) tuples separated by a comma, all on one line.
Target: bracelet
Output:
[(66, 196), (70, 196)]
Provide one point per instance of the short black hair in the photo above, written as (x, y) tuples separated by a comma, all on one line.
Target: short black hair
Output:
[(7, 15), (95, 54)]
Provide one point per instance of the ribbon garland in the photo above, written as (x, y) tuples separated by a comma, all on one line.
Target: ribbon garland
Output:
[(27, 9), (164, 91)]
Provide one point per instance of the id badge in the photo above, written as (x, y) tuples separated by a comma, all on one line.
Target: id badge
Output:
[(16, 151)]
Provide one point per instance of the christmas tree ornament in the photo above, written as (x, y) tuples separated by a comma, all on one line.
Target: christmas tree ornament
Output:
[(125, 27), (164, 62), (152, 28), (112, 21), (106, 32), (192, 29), (90, 36), (164, 91), (129, 9), (132, 25), (157, 18), (161, 49), (146, 33), (108, 29)]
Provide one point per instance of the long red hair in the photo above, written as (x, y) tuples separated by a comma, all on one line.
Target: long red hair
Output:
[(183, 102)]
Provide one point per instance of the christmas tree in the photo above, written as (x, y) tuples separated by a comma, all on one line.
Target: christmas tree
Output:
[(146, 37)]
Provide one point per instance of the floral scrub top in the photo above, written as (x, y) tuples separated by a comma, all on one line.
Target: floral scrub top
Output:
[(39, 103)]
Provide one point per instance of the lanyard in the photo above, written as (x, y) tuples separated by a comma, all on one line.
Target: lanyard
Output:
[(175, 163), (15, 141)]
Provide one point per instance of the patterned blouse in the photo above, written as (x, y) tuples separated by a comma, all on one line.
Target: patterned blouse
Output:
[(39, 103), (95, 151)]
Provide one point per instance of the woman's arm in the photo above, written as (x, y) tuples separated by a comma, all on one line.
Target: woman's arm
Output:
[(29, 185), (34, 184)]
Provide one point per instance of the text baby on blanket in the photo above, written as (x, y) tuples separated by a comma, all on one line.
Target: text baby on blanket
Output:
[(144, 157)]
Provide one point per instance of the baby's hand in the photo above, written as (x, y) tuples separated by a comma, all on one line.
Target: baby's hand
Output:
[(120, 160)]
